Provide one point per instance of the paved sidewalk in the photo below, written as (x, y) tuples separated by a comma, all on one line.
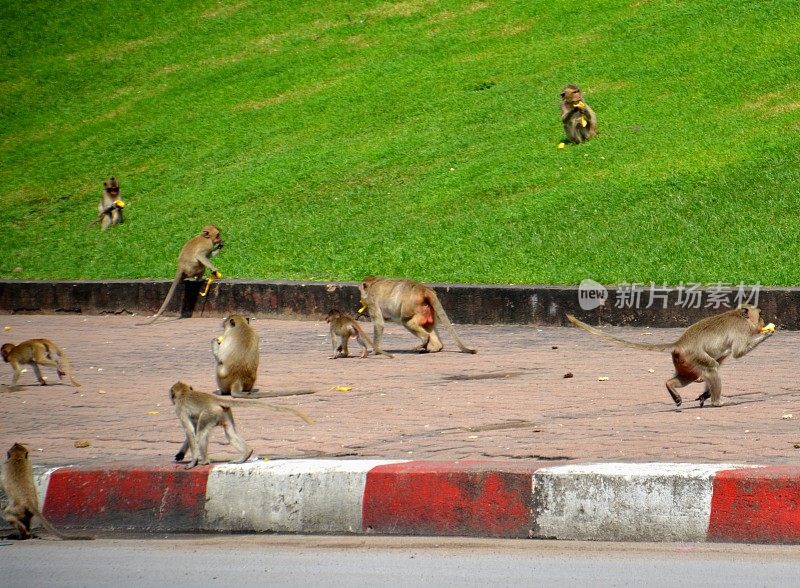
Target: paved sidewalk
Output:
[(510, 401)]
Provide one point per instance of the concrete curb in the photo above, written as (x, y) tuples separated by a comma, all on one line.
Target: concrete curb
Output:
[(464, 303), (603, 502)]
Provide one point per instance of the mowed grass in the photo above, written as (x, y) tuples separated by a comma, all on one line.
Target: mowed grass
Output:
[(330, 139)]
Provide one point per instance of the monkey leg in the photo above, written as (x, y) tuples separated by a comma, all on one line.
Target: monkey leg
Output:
[(413, 325), (20, 518), (205, 424), (678, 381), (39, 375), (364, 347), (377, 327), (713, 389), (235, 439), (343, 351)]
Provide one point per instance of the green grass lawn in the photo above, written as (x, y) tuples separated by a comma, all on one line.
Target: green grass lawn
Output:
[(330, 139)]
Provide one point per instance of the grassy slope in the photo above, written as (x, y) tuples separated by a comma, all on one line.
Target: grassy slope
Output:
[(339, 138)]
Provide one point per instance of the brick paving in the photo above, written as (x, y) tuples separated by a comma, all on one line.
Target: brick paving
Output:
[(510, 401)]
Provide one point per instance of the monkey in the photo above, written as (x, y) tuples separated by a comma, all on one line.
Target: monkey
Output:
[(109, 210), (346, 327), (193, 260), (580, 122), (699, 351), (37, 352), (23, 503), (236, 352), (411, 304), (200, 412)]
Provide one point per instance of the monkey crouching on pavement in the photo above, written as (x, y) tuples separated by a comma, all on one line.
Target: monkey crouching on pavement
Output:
[(699, 351), (23, 503)]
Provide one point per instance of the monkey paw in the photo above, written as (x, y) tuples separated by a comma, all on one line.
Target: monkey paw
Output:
[(179, 456)]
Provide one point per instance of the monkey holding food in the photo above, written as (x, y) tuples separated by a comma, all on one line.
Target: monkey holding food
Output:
[(579, 120), (193, 260), (109, 211), (236, 352), (37, 352), (699, 351), (413, 305)]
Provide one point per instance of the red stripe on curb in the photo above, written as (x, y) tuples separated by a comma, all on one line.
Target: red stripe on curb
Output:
[(756, 505), (163, 497), (475, 498)]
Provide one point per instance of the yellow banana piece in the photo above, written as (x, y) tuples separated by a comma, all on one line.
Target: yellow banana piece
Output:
[(770, 328)]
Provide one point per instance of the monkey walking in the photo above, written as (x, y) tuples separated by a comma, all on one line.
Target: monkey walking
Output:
[(345, 328), (413, 305), (37, 352), (699, 351), (193, 260), (200, 412), (109, 210), (23, 503), (580, 122)]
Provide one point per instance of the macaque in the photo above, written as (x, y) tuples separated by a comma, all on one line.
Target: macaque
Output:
[(236, 352), (110, 208), (580, 122), (345, 328), (200, 412), (699, 351), (411, 304), (23, 503), (193, 260), (37, 352)]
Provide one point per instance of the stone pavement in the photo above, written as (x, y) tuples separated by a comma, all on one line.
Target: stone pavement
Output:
[(510, 401)]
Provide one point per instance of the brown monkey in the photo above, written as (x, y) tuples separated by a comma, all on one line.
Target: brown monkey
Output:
[(109, 211), (199, 413), (193, 260), (36, 352), (23, 503), (699, 351), (580, 122), (345, 328), (236, 352), (411, 304)]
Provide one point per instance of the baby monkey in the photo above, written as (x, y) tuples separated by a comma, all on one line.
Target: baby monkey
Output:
[(345, 328), (109, 211), (23, 503), (37, 352)]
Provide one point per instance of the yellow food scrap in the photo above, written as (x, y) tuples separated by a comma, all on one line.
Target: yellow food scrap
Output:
[(363, 307), (561, 145), (343, 388), (153, 412), (770, 328), (583, 121), (119, 204), (82, 443)]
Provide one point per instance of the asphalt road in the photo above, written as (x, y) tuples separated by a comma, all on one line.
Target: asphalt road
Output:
[(240, 561)]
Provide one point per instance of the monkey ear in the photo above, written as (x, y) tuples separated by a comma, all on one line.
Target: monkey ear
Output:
[(232, 322), (205, 234), (248, 320), (745, 311), (563, 94)]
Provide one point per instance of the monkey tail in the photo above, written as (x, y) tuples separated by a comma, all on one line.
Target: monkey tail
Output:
[(433, 299), (170, 293), (623, 342), (51, 529), (230, 402)]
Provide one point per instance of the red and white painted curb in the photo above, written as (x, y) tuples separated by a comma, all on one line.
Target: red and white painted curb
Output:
[(604, 502)]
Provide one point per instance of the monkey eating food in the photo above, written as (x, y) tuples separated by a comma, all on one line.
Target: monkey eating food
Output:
[(579, 120)]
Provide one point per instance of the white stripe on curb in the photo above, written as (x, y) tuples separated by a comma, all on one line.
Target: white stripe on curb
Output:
[(624, 501), (289, 496)]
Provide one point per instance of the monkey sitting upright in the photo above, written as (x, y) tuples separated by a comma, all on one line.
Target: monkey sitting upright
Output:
[(236, 352), (580, 122), (699, 351), (109, 211)]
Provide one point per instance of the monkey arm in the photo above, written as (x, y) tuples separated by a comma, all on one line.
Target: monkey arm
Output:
[(203, 258), (752, 343)]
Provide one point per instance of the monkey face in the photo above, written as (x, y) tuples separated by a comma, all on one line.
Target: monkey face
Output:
[(571, 94)]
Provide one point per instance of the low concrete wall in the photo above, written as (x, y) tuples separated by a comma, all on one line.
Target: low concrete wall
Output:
[(464, 303)]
